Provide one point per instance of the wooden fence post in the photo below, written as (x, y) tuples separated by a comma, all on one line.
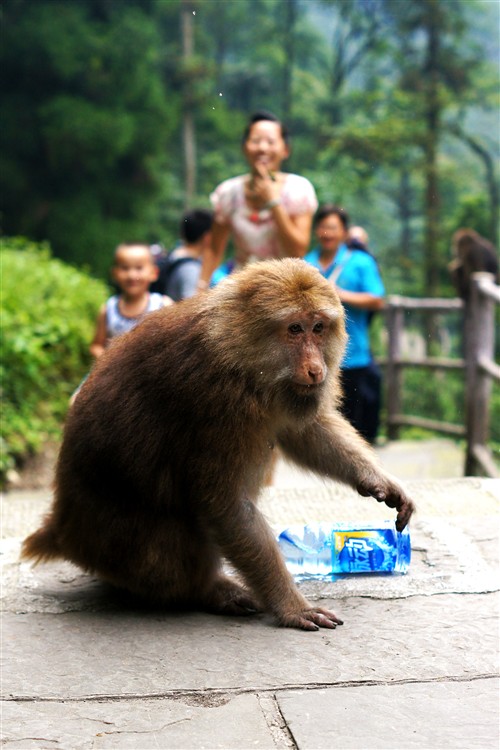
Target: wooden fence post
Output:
[(395, 325), (479, 337)]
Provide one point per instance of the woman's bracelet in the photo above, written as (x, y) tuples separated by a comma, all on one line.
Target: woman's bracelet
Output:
[(272, 203)]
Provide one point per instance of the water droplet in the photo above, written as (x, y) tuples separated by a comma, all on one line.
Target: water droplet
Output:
[(220, 93), (194, 12)]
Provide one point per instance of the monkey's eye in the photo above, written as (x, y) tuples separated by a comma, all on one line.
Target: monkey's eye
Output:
[(319, 327), (295, 328)]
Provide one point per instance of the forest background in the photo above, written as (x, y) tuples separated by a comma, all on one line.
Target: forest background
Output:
[(119, 114)]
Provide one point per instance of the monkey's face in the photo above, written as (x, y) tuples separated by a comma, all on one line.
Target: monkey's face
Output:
[(303, 341), (280, 324), (310, 347)]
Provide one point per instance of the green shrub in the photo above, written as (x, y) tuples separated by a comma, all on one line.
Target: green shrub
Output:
[(48, 314)]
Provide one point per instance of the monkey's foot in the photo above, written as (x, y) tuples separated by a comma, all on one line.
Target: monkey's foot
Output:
[(311, 619), (229, 598)]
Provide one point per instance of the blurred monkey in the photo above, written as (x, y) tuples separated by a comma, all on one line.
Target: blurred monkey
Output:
[(472, 253)]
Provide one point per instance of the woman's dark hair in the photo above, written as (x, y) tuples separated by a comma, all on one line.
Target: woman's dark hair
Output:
[(264, 115), (329, 209)]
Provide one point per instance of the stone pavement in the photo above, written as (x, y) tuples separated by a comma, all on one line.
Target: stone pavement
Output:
[(414, 666)]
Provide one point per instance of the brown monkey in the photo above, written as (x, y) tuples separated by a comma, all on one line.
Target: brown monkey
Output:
[(166, 448), (472, 253)]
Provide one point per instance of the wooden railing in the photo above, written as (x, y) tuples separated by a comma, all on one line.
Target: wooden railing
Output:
[(481, 370), (478, 365)]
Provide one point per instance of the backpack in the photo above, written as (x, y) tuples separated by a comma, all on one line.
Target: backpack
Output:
[(167, 264)]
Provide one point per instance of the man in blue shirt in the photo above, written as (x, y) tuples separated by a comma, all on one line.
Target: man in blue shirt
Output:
[(359, 285)]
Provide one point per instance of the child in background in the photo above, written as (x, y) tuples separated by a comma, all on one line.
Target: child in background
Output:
[(133, 271)]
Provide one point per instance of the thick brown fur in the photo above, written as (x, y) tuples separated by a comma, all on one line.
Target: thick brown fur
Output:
[(472, 253), (166, 446)]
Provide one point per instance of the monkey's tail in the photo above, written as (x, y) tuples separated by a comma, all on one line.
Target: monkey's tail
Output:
[(41, 546)]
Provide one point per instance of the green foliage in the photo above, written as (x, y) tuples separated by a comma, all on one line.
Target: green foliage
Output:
[(94, 94), (437, 395), (495, 418), (83, 146), (48, 311), (472, 212)]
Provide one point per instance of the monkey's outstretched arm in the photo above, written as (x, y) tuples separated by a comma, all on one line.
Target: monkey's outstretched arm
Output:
[(332, 447), (247, 541)]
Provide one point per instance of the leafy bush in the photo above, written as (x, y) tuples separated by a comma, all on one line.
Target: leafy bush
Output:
[(48, 313)]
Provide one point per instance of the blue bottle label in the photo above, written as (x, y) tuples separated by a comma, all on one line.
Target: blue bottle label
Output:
[(363, 551)]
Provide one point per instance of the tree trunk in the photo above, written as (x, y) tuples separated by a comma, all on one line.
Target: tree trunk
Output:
[(188, 125), (405, 212), (289, 46), (432, 117)]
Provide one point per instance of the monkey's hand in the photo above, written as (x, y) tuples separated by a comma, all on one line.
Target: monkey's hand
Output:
[(387, 491), (312, 618)]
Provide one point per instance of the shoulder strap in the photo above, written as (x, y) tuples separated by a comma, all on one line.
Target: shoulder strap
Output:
[(178, 262), (338, 269)]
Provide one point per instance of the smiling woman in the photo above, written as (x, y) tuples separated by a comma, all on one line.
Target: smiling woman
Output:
[(268, 213)]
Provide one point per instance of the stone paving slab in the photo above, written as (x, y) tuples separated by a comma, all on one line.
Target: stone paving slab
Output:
[(183, 724), (85, 655), (451, 715), (432, 715)]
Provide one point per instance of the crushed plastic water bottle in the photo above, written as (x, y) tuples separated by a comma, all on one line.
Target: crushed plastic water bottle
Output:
[(326, 550)]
